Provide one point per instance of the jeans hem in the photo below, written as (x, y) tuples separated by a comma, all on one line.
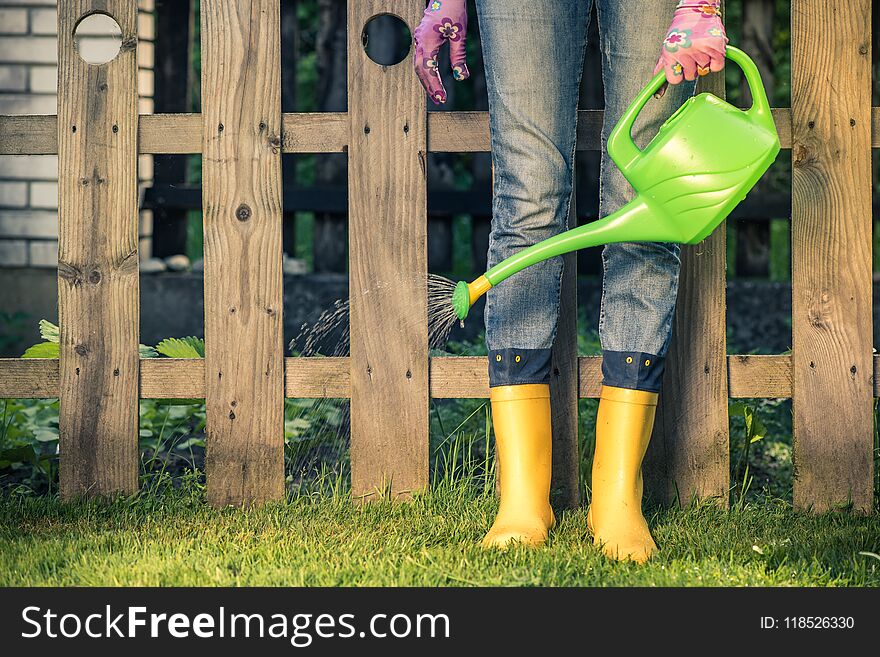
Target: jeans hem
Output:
[(635, 370)]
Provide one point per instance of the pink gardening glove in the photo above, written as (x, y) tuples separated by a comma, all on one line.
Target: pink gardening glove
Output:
[(444, 20), (695, 42)]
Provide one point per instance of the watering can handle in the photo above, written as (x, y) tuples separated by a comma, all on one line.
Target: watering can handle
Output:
[(623, 150)]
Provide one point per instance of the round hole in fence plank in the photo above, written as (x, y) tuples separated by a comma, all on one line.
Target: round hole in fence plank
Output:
[(386, 39), (97, 38)]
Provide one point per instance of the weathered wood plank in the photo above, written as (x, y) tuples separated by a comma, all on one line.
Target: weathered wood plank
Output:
[(831, 254), (173, 378), (29, 135), (458, 132), (320, 132), (782, 118), (565, 481), (241, 169), (317, 378), (388, 265), (752, 376), (689, 455), (22, 378), (170, 134), (98, 259), (590, 376), (458, 377)]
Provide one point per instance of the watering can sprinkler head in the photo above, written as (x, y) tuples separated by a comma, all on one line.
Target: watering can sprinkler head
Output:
[(703, 161), (466, 293)]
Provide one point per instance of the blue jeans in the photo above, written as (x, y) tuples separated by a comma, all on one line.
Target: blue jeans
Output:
[(534, 53)]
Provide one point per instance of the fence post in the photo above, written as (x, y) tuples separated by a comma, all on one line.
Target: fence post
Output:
[(564, 385), (689, 455), (98, 301), (388, 264), (831, 253), (241, 173)]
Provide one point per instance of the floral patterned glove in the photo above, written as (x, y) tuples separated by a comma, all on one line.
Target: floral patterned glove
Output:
[(695, 42), (444, 20)]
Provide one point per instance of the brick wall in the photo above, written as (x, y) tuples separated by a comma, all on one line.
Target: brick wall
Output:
[(28, 83)]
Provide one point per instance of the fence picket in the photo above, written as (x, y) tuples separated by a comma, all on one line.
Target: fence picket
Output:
[(831, 254), (241, 173), (387, 157), (564, 388), (98, 301)]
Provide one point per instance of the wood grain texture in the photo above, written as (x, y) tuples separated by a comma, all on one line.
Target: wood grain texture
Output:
[(309, 378), (321, 132), (169, 134), (98, 301), (241, 174), (29, 135), (565, 480), (458, 132), (173, 378), (590, 376), (456, 377), (831, 254), (751, 376), (388, 265), (22, 378), (689, 455)]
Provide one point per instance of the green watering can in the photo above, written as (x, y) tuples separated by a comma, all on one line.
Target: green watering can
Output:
[(703, 161)]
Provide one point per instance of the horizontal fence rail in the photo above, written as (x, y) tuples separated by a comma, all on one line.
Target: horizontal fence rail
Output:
[(317, 132), (454, 377)]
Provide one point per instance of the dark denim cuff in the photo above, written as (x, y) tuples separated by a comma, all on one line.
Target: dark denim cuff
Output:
[(513, 367), (633, 369)]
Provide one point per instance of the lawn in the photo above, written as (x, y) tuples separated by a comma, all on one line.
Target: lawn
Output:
[(167, 536)]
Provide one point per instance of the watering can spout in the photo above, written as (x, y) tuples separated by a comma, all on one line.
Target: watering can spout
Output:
[(636, 216)]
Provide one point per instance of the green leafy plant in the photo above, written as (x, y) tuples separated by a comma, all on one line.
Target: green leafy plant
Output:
[(50, 347), (171, 431), (189, 347), (29, 443), (755, 430)]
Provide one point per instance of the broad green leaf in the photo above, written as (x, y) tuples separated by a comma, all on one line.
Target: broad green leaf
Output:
[(188, 347), (755, 428), (758, 430), (147, 351), (49, 331), (46, 434), (42, 350), (191, 442), (737, 408)]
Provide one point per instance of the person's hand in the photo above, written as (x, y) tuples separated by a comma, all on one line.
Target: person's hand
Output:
[(695, 42), (444, 20)]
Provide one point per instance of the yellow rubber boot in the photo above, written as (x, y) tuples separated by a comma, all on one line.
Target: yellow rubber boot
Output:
[(521, 417), (623, 430)]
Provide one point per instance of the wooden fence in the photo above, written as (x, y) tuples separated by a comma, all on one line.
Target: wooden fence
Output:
[(241, 134)]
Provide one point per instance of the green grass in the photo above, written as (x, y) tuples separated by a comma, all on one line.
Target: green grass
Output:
[(168, 536)]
